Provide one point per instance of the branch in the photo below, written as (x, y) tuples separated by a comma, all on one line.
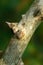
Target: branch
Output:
[(23, 32)]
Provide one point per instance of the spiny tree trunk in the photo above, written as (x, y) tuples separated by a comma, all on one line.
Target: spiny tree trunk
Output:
[(14, 52)]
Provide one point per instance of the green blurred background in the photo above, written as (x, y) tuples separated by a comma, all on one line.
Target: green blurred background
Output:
[(11, 10)]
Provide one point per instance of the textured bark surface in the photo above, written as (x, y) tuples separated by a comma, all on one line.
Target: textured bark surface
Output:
[(13, 53)]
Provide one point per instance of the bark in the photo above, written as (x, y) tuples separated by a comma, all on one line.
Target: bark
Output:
[(15, 50)]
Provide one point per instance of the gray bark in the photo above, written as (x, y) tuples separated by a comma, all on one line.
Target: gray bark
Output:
[(15, 50)]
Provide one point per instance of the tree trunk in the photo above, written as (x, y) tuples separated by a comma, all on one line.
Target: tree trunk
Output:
[(14, 52)]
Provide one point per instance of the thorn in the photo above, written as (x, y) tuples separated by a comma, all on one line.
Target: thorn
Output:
[(9, 24), (24, 17)]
